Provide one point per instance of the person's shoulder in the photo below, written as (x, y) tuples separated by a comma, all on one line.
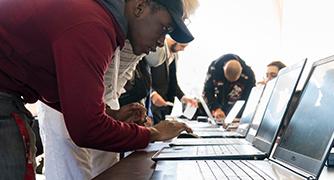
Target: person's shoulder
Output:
[(248, 74), (81, 12), (221, 60), (217, 65), (248, 70), (83, 16)]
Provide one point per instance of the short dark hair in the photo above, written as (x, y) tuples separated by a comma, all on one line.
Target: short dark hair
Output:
[(278, 64)]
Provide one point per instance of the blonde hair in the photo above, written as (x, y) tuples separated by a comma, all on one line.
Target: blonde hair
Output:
[(189, 7)]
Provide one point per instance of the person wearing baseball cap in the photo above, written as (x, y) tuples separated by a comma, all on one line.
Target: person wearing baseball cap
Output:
[(181, 34), (57, 52)]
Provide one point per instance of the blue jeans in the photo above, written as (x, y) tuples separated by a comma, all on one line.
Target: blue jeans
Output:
[(12, 148)]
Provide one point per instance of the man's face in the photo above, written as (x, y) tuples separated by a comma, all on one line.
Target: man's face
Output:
[(272, 72), (148, 29), (176, 47)]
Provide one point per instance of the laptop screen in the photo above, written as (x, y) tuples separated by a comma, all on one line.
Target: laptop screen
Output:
[(261, 108), (231, 115), (234, 111), (250, 108), (309, 134), (211, 119), (284, 88)]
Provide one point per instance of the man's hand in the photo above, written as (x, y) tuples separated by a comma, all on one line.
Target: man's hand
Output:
[(128, 113), (167, 130), (147, 122), (191, 101), (157, 99), (218, 114)]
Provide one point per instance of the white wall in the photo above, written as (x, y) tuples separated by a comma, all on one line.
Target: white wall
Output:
[(252, 30)]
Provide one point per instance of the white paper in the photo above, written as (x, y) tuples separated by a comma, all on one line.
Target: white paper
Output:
[(189, 112)]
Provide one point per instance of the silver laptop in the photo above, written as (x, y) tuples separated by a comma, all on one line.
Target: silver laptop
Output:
[(256, 120), (195, 125), (262, 145), (218, 132), (302, 150), (246, 118), (211, 119)]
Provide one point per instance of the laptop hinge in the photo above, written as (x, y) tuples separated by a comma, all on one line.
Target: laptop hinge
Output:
[(311, 178), (291, 168)]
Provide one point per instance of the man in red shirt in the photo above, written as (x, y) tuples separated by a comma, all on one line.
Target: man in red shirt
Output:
[(57, 51)]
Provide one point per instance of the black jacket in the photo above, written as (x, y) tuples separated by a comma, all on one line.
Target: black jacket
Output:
[(220, 93), (139, 87), (164, 81)]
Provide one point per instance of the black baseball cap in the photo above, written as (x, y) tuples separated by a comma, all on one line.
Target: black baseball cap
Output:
[(181, 33)]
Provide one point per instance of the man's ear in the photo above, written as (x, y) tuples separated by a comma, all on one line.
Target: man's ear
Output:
[(140, 6)]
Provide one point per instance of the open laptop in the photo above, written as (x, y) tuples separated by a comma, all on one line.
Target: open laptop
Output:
[(210, 125), (264, 141), (212, 129), (246, 118), (217, 132), (303, 148), (256, 120)]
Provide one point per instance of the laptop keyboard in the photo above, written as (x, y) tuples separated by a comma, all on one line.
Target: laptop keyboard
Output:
[(231, 134), (232, 170), (225, 149), (231, 141), (225, 141)]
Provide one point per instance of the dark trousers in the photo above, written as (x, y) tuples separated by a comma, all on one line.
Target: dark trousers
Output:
[(13, 156)]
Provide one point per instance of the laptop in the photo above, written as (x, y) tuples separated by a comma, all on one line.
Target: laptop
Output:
[(264, 140), (211, 119), (302, 150), (212, 129), (234, 112), (210, 125), (246, 118), (217, 132), (256, 120)]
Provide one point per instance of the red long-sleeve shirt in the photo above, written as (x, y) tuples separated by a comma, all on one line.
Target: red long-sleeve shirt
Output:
[(57, 51)]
